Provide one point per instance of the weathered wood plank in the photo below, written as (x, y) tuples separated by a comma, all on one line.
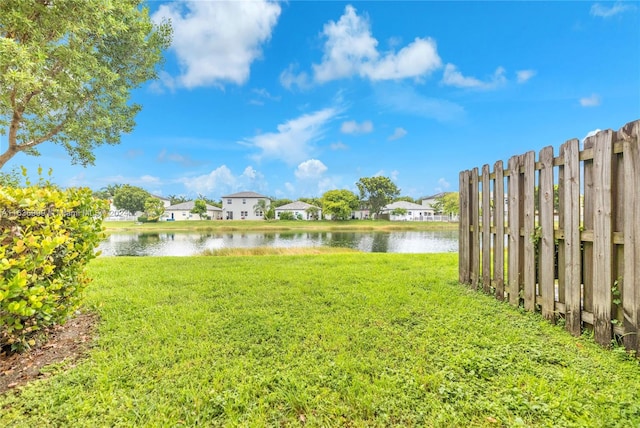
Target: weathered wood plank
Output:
[(529, 231), (571, 227), (463, 227), (630, 133), (602, 245), (486, 230), (498, 245), (561, 210), (514, 229), (587, 245), (475, 236), (547, 244)]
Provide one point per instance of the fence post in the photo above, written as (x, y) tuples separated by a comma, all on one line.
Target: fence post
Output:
[(475, 236), (602, 236), (463, 225), (498, 215), (528, 160), (546, 249), (631, 279), (486, 230), (571, 182), (514, 230)]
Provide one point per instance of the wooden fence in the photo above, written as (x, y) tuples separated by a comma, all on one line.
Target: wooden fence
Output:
[(560, 235)]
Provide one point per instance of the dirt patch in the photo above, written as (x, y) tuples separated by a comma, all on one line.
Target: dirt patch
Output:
[(67, 343)]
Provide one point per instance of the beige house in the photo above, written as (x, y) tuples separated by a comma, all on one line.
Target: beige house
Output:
[(412, 212), (180, 212), (241, 206), (300, 210)]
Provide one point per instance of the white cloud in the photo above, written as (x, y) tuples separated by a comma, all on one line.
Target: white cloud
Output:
[(590, 134), (406, 100), (397, 134), (453, 77), (184, 160), (338, 146), (603, 11), (291, 143), (394, 175), (353, 127), (261, 95), (221, 180), (141, 181), (351, 50), (591, 101), (524, 75), (290, 78), (216, 41), (443, 185), (310, 169)]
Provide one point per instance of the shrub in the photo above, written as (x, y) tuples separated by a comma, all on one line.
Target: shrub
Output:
[(286, 215), (47, 236)]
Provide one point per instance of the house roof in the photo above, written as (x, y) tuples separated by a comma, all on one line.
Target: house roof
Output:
[(436, 196), (403, 205), (297, 205), (245, 195), (189, 205), (162, 198)]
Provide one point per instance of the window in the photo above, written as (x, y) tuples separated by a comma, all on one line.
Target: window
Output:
[(244, 201), (259, 213), (229, 201)]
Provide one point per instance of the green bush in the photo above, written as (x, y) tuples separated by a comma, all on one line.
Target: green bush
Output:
[(47, 236), (286, 215)]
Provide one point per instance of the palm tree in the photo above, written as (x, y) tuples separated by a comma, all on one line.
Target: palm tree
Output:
[(261, 208)]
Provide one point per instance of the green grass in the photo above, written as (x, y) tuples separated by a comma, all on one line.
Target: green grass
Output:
[(277, 225), (354, 339)]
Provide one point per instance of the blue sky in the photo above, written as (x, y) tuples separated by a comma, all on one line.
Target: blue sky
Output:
[(296, 98)]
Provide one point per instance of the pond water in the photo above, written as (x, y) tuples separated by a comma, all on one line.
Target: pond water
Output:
[(190, 243)]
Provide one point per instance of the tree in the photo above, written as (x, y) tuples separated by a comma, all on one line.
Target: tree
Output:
[(176, 199), (67, 69), (448, 203), (312, 212), (200, 208), (377, 192), (339, 203), (10, 179), (406, 199), (312, 201), (130, 198), (280, 202), (153, 208), (263, 208), (399, 211)]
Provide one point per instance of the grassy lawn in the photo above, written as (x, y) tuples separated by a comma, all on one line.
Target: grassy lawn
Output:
[(276, 225), (345, 339)]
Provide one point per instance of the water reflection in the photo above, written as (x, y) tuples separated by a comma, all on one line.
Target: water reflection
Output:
[(186, 244)]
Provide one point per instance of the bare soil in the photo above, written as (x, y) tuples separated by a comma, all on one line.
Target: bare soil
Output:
[(64, 343)]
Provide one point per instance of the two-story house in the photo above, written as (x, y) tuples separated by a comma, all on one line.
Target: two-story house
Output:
[(243, 206)]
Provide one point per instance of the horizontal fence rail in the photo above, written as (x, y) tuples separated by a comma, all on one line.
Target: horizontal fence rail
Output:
[(560, 234)]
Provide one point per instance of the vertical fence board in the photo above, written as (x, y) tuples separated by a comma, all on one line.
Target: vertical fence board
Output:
[(587, 252), (529, 230), (546, 251), (602, 237), (561, 211), (463, 227), (617, 213), (572, 236), (514, 230), (475, 236), (486, 230), (498, 256), (631, 279)]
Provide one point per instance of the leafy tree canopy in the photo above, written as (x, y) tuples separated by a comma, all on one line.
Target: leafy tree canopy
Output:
[(153, 208), (339, 203), (200, 208), (177, 199), (130, 198), (448, 203), (67, 69), (377, 192)]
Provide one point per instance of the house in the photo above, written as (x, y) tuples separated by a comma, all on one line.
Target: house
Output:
[(242, 206), (300, 210), (430, 203), (412, 212), (179, 212)]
